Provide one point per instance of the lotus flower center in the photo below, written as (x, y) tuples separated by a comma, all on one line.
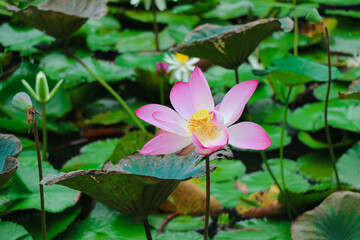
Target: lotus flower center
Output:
[(202, 126), (182, 58)]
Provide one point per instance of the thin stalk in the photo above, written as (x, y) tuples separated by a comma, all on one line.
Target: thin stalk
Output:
[(327, 131), (236, 76), (207, 206), (282, 153), (44, 131), (296, 29), (162, 99), (110, 89), (155, 24), (147, 229), (264, 158), (42, 199)]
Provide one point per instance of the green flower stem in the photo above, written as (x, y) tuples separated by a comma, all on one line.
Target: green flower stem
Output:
[(296, 29), (147, 229), (207, 209), (282, 153), (44, 131), (156, 27), (42, 199), (327, 131), (264, 158), (110, 89), (162, 98), (236, 76)]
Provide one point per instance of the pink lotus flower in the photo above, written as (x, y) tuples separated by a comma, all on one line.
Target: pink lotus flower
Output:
[(198, 124)]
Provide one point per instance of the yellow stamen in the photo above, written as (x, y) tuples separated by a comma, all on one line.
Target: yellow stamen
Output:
[(182, 58), (202, 126)]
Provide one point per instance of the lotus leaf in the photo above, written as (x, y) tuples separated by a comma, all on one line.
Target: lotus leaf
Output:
[(60, 18), (230, 46), (137, 184), (10, 147), (337, 217)]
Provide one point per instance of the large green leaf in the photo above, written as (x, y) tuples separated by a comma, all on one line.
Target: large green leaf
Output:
[(180, 235), (56, 223), (320, 92), (337, 217), (226, 193), (137, 184), (140, 60), (178, 224), (348, 166), (316, 165), (266, 111), (91, 156), (25, 192), (105, 223), (227, 170), (292, 70), (9, 150), (258, 229), (220, 44), (21, 38), (60, 18), (13, 231), (341, 114)]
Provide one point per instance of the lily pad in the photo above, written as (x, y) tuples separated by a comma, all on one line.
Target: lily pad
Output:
[(292, 70), (227, 170), (178, 224), (137, 184), (220, 44), (266, 111), (348, 166), (13, 231), (316, 165), (60, 18), (337, 217), (341, 114), (320, 92), (10, 149)]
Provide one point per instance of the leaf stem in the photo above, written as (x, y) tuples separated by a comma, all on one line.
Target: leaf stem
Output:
[(207, 206), (327, 131), (236, 75), (156, 27), (147, 229), (281, 153), (296, 28), (264, 158), (42, 199), (110, 89), (44, 131)]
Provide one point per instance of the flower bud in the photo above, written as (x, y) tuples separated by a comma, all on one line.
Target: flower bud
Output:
[(161, 68), (21, 101), (42, 87), (313, 16)]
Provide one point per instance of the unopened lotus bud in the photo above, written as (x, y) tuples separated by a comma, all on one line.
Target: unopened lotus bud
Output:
[(161, 68), (313, 16), (42, 87), (21, 101)]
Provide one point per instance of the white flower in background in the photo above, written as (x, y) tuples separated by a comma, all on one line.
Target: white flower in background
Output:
[(255, 63), (353, 62), (180, 66), (160, 4)]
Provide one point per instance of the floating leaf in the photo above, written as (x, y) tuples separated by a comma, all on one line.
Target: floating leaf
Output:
[(93, 155), (13, 231), (116, 226), (227, 170), (55, 223), (220, 44), (178, 224), (337, 217), (189, 199), (316, 166), (180, 235), (137, 184), (348, 166), (140, 60), (266, 110), (227, 193), (320, 92), (60, 18), (292, 70), (24, 192), (258, 229), (9, 150), (306, 139)]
